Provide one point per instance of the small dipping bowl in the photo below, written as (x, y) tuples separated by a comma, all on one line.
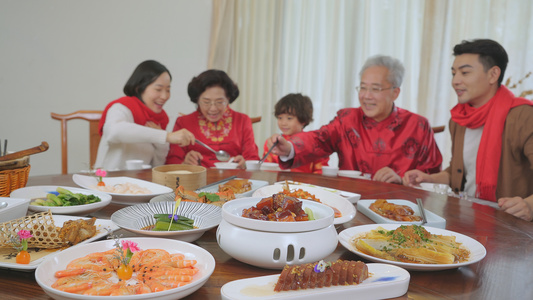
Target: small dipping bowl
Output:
[(329, 171), (226, 165), (253, 165)]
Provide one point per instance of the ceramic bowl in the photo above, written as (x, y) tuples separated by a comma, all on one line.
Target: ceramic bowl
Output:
[(253, 165), (135, 218), (268, 166), (439, 188), (329, 171)]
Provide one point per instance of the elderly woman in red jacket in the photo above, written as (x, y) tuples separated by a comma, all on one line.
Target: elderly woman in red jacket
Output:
[(214, 123)]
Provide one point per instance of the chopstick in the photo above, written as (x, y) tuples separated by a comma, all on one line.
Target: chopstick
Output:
[(5, 147), (269, 150), (422, 211), (216, 182)]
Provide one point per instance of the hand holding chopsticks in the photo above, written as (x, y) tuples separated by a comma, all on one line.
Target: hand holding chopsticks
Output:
[(268, 152)]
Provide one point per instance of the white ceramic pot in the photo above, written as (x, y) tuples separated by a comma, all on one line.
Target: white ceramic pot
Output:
[(272, 245)]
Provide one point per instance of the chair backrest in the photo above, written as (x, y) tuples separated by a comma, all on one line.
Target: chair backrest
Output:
[(438, 129), (93, 116)]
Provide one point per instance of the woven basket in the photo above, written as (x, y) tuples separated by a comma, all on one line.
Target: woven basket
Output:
[(41, 225), (13, 179)]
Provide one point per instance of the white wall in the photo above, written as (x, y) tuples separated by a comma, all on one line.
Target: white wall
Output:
[(62, 56)]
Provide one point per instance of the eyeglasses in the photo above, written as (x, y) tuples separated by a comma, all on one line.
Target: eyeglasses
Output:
[(217, 103), (372, 90)]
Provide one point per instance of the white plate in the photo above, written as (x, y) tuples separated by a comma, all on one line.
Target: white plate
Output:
[(16, 208), (346, 208), (136, 217), (44, 275), (433, 220), (385, 281), (255, 185), (349, 173), (102, 227), (352, 197), (40, 191), (269, 166), (89, 182), (477, 251), (232, 212), (226, 165)]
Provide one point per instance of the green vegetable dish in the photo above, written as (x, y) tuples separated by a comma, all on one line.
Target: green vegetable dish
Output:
[(165, 222), (64, 197)]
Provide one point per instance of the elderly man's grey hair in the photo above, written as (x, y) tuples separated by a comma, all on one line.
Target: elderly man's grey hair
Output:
[(395, 67)]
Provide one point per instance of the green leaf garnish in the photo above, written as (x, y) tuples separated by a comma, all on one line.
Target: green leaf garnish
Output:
[(210, 196)]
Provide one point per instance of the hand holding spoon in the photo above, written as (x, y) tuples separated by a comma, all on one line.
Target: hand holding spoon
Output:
[(220, 154)]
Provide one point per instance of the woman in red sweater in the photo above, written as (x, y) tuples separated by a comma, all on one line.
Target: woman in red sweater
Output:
[(214, 123)]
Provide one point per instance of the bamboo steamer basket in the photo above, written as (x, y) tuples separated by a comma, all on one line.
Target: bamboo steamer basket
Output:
[(13, 174), (15, 168), (188, 176)]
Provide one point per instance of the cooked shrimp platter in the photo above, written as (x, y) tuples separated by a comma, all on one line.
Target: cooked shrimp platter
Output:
[(49, 234), (96, 273), (341, 279), (398, 211), (135, 268)]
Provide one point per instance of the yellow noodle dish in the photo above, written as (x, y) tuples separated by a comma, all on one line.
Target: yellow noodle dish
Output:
[(411, 244)]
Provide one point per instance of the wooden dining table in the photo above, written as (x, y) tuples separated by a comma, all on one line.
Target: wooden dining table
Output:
[(506, 272)]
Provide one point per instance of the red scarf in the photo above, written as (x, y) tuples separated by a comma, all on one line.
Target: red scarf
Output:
[(492, 115), (141, 113)]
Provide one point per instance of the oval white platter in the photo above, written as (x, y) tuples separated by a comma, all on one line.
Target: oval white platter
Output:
[(346, 208), (40, 191), (477, 251), (90, 182), (256, 184), (103, 228), (352, 197), (385, 281)]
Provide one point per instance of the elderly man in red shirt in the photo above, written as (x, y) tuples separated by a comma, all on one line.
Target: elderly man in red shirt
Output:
[(377, 138)]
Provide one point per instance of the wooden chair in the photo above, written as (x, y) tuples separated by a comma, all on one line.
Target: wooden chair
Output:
[(93, 116), (438, 129)]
